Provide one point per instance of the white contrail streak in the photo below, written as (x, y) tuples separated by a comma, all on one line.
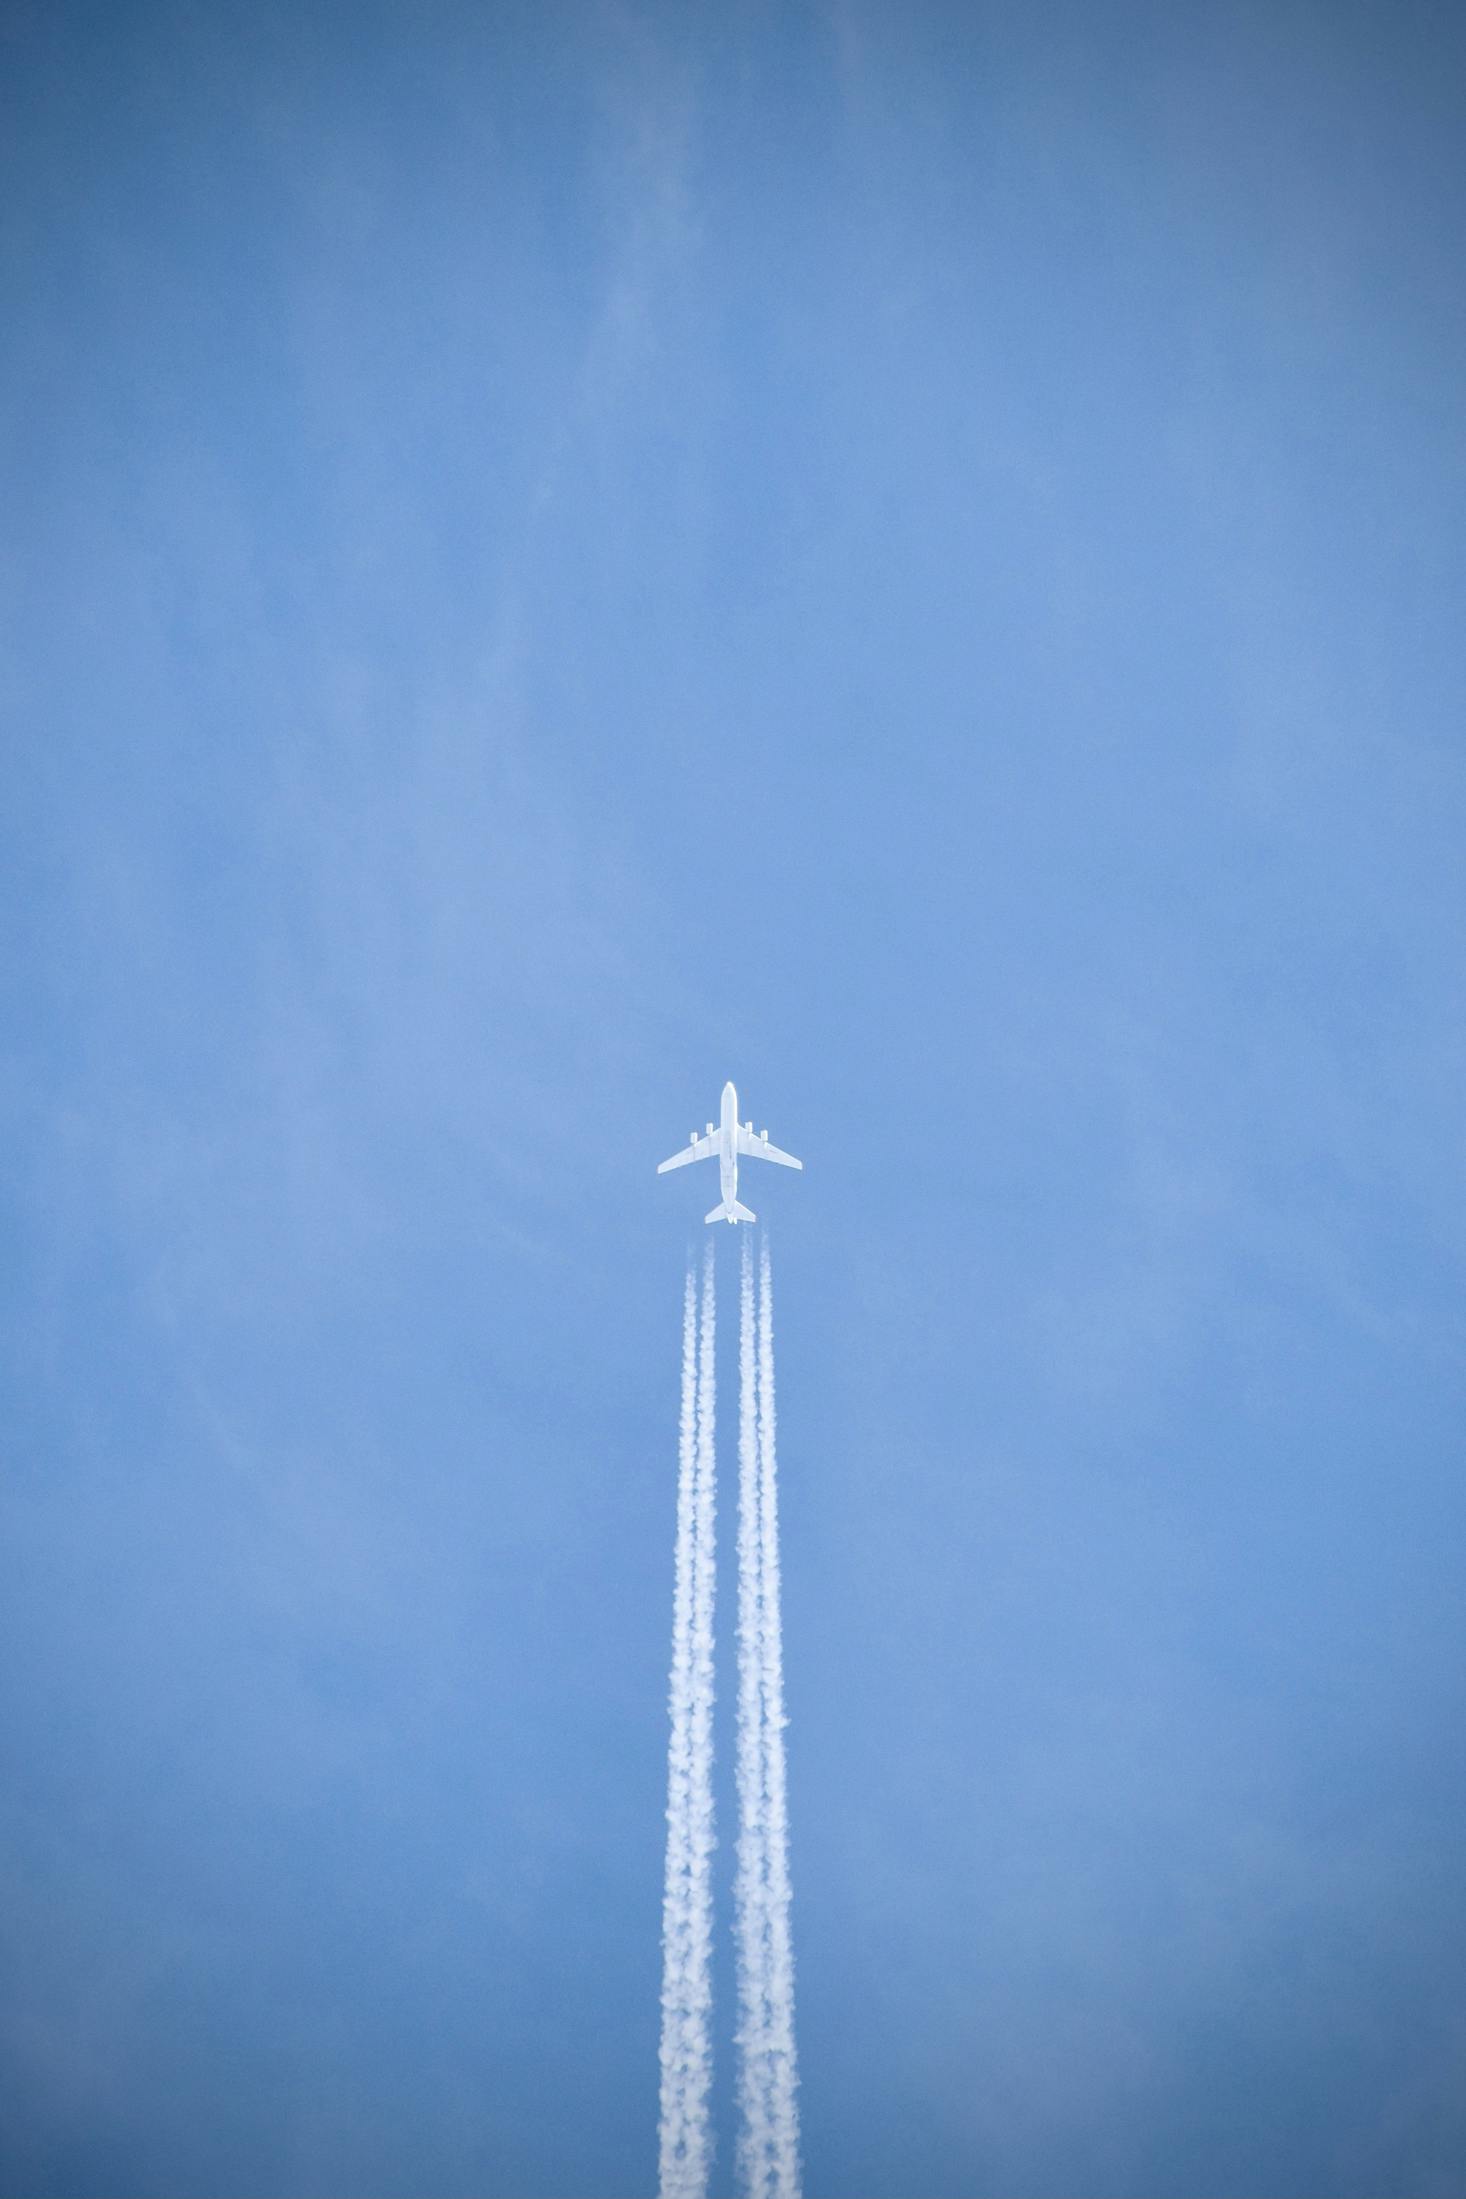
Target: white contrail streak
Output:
[(686, 2054), (768, 2076), (703, 1838), (783, 2181), (678, 2042), (750, 1909)]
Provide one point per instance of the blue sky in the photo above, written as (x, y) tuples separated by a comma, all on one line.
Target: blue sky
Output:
[(911, 556)]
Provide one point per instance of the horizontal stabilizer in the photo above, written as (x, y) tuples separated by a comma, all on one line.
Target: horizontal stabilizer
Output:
[(734, 1212)]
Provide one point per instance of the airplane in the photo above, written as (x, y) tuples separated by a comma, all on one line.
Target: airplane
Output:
[(728, 1140)]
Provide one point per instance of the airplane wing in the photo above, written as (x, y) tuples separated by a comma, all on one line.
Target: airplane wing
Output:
[(699, 1149), (759, 1149)]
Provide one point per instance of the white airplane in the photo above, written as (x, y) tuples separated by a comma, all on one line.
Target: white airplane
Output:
[(730, 1138)]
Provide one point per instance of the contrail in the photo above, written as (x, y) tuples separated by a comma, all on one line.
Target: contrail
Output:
[(783, 2181), (678, 2034), (768, 2076), (750, 1893), (703, 1837), (686, 2053)]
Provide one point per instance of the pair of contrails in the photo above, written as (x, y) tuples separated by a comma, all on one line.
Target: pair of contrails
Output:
[(730, 1140)]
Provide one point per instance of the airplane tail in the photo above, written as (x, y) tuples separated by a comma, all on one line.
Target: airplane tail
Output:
[(735, 1211)]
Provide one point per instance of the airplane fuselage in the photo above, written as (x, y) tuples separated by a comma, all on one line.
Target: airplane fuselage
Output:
[(728, 1145)]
